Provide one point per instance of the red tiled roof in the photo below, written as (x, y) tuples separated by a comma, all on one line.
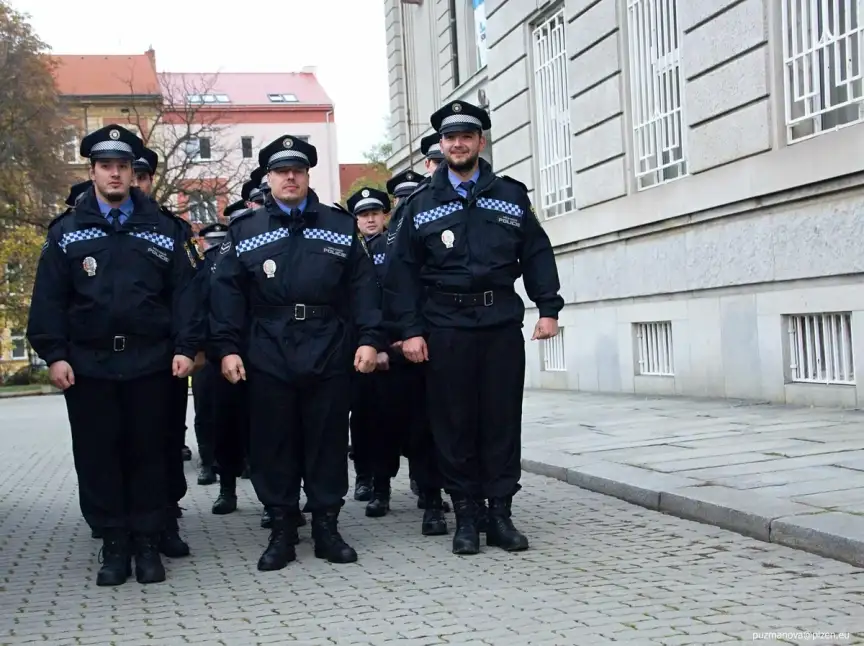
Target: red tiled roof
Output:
[(106, 75), (249, 89)]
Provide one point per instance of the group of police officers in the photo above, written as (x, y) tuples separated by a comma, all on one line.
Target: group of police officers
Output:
[(303, 323)]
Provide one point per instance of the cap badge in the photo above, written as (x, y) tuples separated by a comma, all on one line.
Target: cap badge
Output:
[(114, 134), (410, 177), (287, 143), (457, 107), (365, 192)]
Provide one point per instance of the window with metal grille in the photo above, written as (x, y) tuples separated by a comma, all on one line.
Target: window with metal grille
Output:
[(820, 348), (823, 55), (656, 90), (553, 353), (552, 116), (246, 146), (654, 346)]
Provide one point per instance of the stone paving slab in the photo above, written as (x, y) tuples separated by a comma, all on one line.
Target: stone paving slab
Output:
[(790, 475), (599, 571)]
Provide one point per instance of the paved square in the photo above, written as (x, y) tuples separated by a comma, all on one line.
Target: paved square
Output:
[(599, 571)]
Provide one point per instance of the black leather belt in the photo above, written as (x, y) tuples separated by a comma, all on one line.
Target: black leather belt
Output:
[(295, 312), (486, 299)]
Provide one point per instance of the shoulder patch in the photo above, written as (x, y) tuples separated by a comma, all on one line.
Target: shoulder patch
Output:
[(507, 178)]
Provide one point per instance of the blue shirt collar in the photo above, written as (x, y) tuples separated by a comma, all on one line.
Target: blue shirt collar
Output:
[(287, 209), (455, 181), (126, 208)]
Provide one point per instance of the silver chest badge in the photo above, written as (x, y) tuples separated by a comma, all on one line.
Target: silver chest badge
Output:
[(269, 268), (89, 265), (448, 238)]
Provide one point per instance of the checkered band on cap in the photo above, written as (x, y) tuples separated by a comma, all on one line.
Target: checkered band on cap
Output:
[(369, 201), (112, 147), (434, 148), (406, 186), (142, 162), (290, 155), (215, 234), (461, 120)]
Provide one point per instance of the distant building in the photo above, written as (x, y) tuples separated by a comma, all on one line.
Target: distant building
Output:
[(697, 165)]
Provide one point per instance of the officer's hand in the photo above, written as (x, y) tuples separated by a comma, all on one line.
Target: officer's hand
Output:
[(383, 361), (546, 328), (415, 349), (199, 362), (365, 359), (182, 366), (232, 368), (61, 375)]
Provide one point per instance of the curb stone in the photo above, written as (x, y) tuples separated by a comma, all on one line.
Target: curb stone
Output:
[(46, 390), (832, 534)]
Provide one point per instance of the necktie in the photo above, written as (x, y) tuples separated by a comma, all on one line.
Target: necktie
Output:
[(114, 218), (468, 187)]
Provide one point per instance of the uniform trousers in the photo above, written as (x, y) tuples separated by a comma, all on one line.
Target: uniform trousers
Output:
[(118, 444), (408, 415), (379, 437), (474, 385), (204, 396), (175, 431), (299, 430), (232, 425)]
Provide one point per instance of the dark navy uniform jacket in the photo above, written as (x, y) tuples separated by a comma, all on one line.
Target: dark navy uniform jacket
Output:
[(455, 260), (377, 246), (116, 304), (304, 286)]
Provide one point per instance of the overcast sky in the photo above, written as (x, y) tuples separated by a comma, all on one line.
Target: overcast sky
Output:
[(343, 38)]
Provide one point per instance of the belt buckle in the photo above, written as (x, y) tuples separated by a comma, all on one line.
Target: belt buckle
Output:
[(119, 343), (299, 312), (488, 298)]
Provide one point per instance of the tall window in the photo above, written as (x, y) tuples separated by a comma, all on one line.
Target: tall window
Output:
[(454, 43), (70, 146), (18, 345), (199, 148), (656, 89), (552, 116), (823, 56), (246, 145)]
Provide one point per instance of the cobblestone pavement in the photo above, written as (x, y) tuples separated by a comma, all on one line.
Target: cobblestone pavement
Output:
[(600, 571)]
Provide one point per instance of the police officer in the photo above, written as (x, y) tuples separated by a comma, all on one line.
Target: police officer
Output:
[(176, 452), (251, 191), (430, 148), (403, 184), (115, 357), (465, 238), (204, 381), (294, 282)]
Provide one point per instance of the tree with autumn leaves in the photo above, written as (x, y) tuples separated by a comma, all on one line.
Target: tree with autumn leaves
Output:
[(32, 181)]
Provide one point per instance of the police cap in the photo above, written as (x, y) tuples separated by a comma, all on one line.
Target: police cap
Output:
[(288, 151), (430, 147), (234, 207), (146, 162), (112, 142), (403, 184), (369, 199), (214, 231), (76, 191), (460, 116)]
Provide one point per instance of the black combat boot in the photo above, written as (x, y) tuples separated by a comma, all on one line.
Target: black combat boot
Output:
[(434, 522), (226, 503), (329, 544), (280, 550), (266, 518), (148, 564), (380, 503), (170, 543), (482, 515), (115, 559), (500, 531), (363, 488), (466, 540), (423, 497)]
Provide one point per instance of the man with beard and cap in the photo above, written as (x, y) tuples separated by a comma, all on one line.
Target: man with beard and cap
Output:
[(171, 544), (465, 237), (295, 288), (115, 358)]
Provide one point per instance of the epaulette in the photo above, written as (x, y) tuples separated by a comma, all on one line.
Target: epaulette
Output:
[(243, 215), (507, 178), (60, 217), (420, 188), (338, 207)]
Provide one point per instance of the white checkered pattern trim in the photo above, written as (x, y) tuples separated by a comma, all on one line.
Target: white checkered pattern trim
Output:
[(156, 238), (499, 205), (261, 239), (378, 258), (437, 213), (80, 236), (327, 236)]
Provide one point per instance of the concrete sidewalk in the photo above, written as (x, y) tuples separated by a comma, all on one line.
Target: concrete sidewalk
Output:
[(793, 476)]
